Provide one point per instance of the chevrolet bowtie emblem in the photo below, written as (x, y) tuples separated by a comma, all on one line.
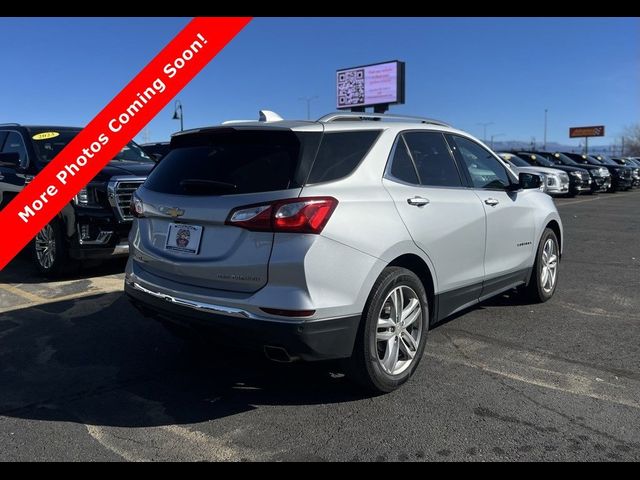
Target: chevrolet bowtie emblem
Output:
[(172, 212)]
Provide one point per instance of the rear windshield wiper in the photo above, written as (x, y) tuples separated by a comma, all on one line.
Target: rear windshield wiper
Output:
[(206, 186)]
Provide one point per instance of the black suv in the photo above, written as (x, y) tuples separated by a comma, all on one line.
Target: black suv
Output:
[(629, 170), (156, 150), (600, 176), (620, 176), (96, 223), (635, 166)]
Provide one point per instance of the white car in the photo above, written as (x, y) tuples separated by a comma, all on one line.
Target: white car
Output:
[(344, 238), (556, 182)]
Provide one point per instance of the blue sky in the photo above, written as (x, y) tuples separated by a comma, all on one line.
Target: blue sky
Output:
[(465, 71)]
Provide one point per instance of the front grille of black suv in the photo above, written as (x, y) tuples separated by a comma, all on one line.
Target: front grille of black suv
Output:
[(120, 190)]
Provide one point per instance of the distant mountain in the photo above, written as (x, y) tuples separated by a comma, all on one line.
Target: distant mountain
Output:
[(553, 147)]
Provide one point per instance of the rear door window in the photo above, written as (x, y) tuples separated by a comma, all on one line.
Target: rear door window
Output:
[(340, 153)]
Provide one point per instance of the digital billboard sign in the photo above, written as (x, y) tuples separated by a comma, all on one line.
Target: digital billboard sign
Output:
[(370, 85)]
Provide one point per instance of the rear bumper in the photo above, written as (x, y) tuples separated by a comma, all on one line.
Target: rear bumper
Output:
[(308, 340)]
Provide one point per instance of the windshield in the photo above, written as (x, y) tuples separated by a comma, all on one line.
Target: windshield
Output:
[(584, 159), (561, 158), (49, 142), (542, 161), (606, 160), (593, 160), (514, 159)]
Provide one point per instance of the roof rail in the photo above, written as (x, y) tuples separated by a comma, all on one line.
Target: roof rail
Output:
[(9, 124), (345, 116)]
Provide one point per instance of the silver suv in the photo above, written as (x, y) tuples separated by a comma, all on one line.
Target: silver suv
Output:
[(347, 237)]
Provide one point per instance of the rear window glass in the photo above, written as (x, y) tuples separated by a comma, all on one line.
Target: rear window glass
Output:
[(340, 153), (230, 161)]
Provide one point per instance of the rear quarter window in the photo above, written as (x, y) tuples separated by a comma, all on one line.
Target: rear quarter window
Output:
[(340, 153)]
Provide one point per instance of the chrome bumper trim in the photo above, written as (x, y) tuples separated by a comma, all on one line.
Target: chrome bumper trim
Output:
[(200, 306)]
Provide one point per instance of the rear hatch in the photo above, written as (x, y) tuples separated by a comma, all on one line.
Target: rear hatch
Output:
[(190, 194)]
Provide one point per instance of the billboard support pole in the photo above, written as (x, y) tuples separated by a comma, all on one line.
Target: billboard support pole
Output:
[(381, 108)]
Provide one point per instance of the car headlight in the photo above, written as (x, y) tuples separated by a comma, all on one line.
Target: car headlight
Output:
[(604, 172), (87, 197), (575, 174)]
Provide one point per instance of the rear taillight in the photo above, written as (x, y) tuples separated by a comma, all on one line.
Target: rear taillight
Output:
[(299, 215), (136, 207)]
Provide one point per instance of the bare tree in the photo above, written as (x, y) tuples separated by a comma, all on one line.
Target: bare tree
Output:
[(632, 140)]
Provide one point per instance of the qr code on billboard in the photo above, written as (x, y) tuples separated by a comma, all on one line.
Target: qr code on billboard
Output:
[(351, 88)]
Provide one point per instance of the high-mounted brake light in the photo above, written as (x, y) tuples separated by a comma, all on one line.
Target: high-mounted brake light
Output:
[(297, 215)]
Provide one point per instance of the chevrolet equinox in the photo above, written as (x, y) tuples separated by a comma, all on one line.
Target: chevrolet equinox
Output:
[(344, 238)]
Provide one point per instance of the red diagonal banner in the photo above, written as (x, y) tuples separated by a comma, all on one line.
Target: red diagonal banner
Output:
[(112, 128)]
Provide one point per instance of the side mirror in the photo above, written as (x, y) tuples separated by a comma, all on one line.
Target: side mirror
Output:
[(156, 157), (529, 180), (10, 159)]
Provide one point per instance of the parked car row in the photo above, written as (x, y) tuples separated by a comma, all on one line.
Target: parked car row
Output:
[(570, 174)]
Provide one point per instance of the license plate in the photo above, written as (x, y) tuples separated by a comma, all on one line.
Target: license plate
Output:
[(184, 238)]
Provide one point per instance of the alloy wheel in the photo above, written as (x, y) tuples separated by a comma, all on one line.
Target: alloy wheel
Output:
[(399, 330), (45, 244), (549, 270)]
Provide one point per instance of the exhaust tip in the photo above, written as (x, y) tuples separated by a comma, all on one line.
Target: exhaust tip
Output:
[(277, 354)]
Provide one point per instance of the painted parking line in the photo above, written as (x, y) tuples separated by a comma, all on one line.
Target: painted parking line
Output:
[(617, 195), (105, 285), (30, 297), (538, 368)]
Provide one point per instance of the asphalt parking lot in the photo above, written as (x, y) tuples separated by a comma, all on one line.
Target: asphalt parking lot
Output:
[(84, 377)]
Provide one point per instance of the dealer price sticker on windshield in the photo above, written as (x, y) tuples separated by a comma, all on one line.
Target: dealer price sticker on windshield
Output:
[(184, 238)]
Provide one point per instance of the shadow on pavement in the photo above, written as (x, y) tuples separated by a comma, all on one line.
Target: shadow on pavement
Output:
[(97, 361), (22, 270)]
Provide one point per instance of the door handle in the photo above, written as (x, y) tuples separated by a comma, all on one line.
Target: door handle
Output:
[(417, 201), (1, 177), (492, 201)]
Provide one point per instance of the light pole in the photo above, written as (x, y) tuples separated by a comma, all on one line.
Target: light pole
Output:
[(485, 125), (178, 106), (309, 100), (495, 135), (544, 144)]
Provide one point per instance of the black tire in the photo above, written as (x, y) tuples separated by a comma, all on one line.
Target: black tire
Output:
[(365, 366), (61, 264), (535, 291)]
